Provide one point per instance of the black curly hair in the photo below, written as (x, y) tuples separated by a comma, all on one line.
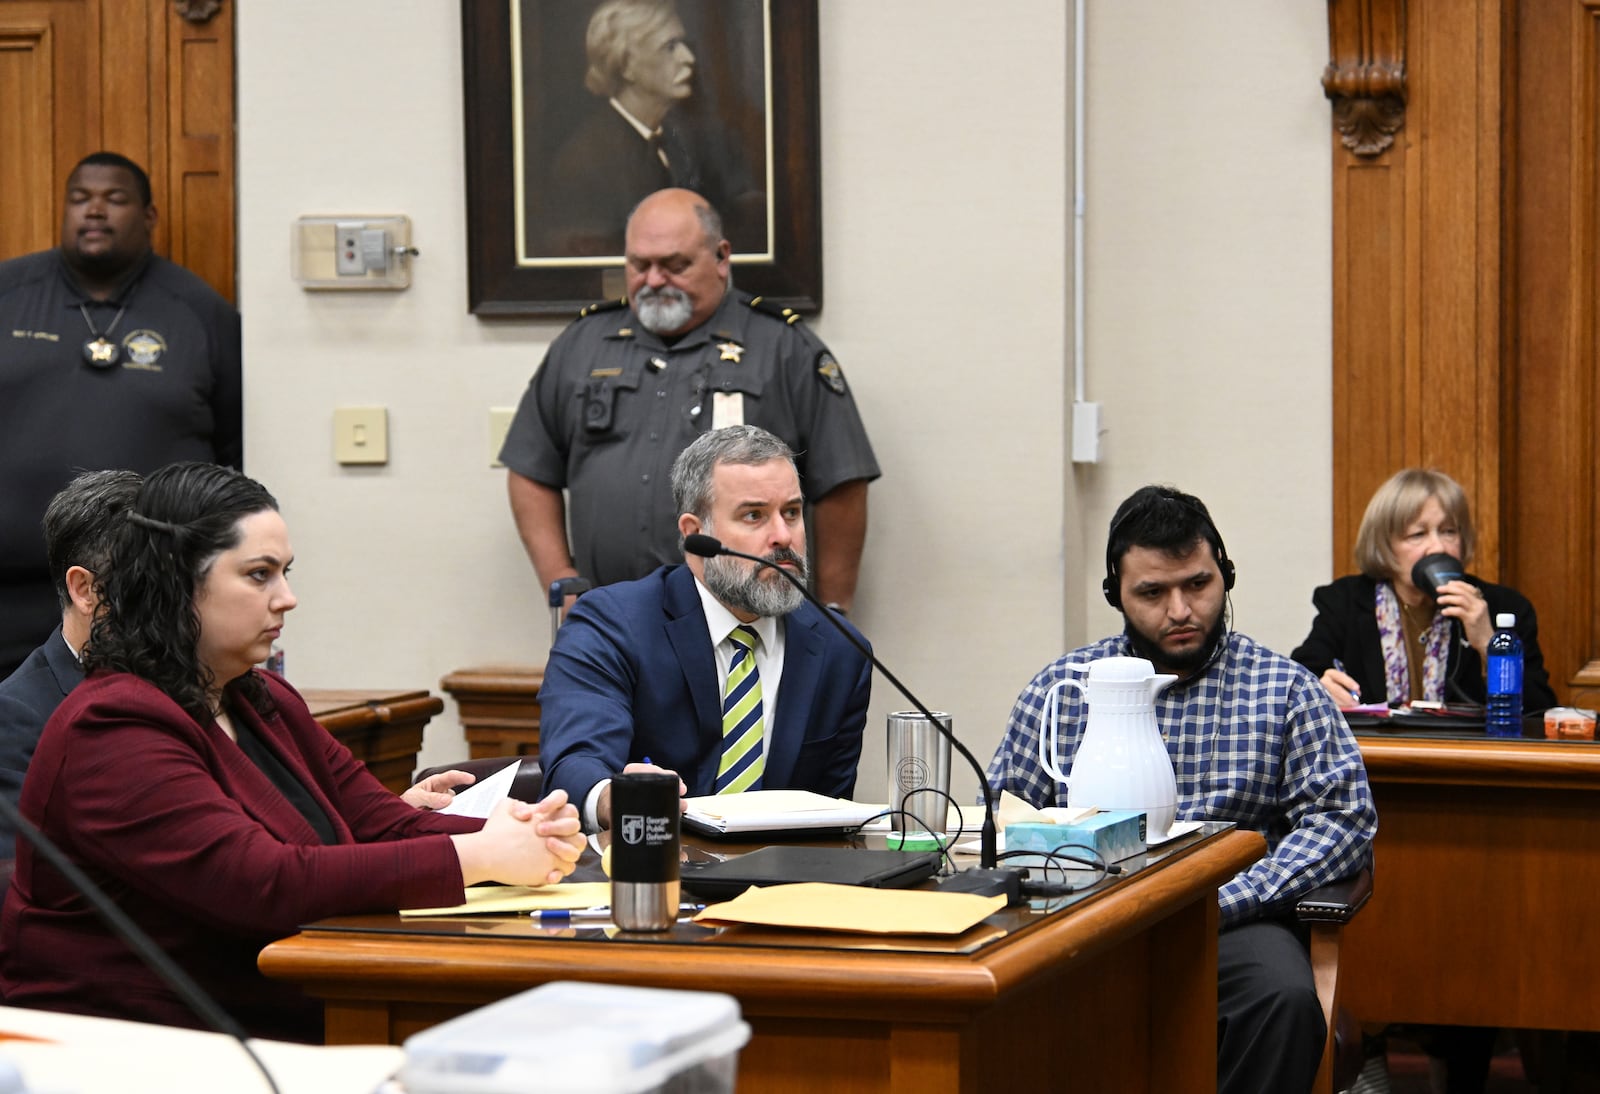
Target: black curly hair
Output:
[(185, 515)]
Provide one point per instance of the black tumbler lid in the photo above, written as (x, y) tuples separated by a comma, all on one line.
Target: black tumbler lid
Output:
[(645, 817)]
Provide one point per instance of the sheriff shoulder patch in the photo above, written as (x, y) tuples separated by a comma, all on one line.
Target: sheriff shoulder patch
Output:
[(828, 370)]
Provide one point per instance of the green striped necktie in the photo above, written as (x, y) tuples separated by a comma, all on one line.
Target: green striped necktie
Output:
[(742, 762)]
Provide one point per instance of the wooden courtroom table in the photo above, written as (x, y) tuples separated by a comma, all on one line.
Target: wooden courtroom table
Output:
[(382, 727), (1115, 993), (1486, 861)]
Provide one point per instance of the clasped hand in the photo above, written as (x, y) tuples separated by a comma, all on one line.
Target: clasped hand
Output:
[(523, 843)]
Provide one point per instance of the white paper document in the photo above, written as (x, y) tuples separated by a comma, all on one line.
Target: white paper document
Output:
[(767, 810), (479, 799), (76, 1054), (1179, 828)]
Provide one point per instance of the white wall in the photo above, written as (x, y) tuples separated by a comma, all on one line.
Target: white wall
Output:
[(947, 202), (1209, 286)]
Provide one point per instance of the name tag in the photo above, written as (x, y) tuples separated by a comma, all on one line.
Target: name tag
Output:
[(727, 408)]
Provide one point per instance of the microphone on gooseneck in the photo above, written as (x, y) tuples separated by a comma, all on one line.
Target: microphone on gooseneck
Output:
[(1430, 572), (993, 878), (143, 946)]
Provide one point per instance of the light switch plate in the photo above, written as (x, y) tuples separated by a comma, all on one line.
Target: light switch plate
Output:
[(361, 434), (499, 425)]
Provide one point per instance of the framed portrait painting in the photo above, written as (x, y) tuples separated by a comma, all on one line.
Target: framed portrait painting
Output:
[(576, 109)]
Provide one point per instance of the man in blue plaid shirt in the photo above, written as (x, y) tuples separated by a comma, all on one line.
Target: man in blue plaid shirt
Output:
[(1254, 739)]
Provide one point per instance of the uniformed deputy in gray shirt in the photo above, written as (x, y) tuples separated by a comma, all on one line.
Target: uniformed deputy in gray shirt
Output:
[(629, 385)]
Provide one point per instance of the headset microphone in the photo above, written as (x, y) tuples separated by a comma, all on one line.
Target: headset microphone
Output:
[(1111, 587)]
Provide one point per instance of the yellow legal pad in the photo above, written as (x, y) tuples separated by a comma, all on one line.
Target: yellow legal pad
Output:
[(511, 899), (819, 906)]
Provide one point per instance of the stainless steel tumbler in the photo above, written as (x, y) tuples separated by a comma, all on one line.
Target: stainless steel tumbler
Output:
[(919, 771), (644, 851)]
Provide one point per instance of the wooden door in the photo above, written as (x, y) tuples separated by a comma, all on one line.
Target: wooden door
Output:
[(152, 79)]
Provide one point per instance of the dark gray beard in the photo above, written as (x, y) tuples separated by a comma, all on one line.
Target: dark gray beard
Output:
[(663, 311), (739, 584)]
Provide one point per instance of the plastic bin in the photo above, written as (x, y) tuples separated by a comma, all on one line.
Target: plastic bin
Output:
[(576, 1038)]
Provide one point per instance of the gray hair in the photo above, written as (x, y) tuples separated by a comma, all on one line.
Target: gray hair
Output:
[(742, 444), (613, 30), (81, 521)]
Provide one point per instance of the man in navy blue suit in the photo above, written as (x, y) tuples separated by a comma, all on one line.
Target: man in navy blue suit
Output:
[(78, 527), (639, 676)]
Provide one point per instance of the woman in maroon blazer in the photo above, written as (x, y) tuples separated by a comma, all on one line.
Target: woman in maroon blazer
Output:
[(199, 792)]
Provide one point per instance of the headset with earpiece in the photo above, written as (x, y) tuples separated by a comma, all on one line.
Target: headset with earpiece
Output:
[(1112, 585)]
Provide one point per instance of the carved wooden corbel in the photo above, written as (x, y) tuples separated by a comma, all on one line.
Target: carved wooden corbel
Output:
[(1366, 73), (197, 11)]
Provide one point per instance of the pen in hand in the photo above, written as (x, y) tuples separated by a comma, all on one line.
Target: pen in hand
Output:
[(1355, 689)]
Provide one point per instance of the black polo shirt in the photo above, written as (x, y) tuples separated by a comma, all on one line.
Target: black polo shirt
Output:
[(175, 395)]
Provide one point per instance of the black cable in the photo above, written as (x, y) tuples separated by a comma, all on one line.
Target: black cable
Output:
[(926, 827), (193, 995), (1047, 888), (944, 844)]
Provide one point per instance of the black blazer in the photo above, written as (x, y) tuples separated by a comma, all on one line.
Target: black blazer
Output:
[(27, 699), (1346, 628)]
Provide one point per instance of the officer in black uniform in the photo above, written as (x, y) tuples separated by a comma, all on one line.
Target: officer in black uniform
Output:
[(110, 357), (630, 384)]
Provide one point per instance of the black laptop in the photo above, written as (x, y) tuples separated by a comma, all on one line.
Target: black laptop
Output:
[(785, 864)]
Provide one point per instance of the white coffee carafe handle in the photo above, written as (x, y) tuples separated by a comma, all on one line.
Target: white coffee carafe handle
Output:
[(1047, 731)]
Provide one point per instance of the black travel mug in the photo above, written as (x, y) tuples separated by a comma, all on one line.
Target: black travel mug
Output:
[(644, 851)]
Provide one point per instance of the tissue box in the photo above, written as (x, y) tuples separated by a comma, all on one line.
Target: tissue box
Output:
[(1114, 834)]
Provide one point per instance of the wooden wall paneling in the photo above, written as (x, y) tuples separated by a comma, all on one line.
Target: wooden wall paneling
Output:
[(1452, 415), (26, 87), (1368, 334), (1435, 400), (1585, 540), (127, 91), (1550, 384), (200, 145), (1497, 238), (53, 48), (78, 113), (152, 79), (1492, 435), (1366, 81)]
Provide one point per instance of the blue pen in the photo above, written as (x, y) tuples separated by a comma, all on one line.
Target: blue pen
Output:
[(569, 917), (1355, 692)]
